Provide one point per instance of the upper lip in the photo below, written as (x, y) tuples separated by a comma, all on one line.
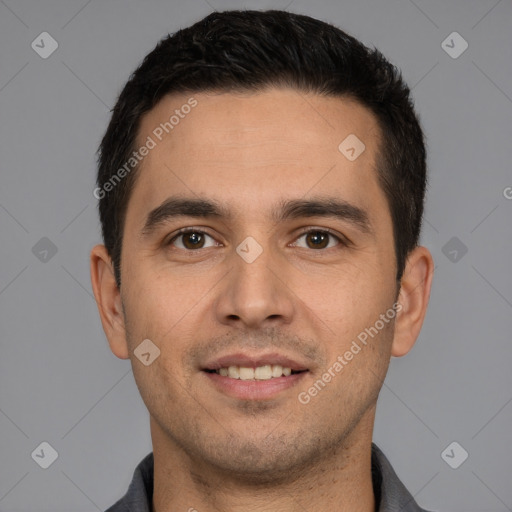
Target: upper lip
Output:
[(247, 361)]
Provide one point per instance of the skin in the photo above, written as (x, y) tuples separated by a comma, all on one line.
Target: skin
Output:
[(248, 151)]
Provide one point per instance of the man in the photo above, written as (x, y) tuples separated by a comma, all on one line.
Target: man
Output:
[(261, 188)]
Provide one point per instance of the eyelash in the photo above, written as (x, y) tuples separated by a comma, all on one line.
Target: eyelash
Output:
[(342, 241)]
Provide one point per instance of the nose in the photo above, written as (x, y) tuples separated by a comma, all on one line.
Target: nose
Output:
[(255, 294)]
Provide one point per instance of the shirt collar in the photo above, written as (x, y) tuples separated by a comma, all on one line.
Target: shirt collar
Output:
[(394, 497), (390, 493)]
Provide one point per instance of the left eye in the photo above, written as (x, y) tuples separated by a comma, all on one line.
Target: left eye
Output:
[(318, 239)]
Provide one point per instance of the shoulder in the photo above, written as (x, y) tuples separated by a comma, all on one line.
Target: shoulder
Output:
[(139, 496)]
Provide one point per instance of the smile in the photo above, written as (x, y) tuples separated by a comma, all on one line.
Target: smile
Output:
[(265, 372)]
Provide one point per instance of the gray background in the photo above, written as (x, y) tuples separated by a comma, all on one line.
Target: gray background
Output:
[(60, 383)]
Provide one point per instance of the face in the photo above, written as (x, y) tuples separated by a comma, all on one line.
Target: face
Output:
[(289, 263)]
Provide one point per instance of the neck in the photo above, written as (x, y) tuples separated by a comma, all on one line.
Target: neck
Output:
[(340, 480)]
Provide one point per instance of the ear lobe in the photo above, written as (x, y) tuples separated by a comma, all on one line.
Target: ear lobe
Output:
[(108, 300), (414, 295)]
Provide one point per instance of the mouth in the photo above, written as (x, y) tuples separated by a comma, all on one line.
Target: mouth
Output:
[(264, 372), (254, 378)]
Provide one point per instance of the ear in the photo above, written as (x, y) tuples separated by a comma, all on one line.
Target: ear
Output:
[(108, 300), (413, 298)]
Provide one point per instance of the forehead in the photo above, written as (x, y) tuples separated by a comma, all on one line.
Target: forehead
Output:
[(255, 146)]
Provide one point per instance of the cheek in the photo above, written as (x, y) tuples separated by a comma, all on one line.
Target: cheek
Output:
[(342, 298), (156, 306), (164, 312), (346, 307), (154, 312), (161, 390)]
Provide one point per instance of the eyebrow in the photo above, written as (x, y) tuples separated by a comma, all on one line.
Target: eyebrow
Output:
[(175, 207)]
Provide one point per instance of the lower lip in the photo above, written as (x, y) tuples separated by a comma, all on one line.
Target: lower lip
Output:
[(253, 389)]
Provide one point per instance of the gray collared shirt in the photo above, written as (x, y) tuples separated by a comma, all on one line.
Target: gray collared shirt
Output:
[(390, 493)]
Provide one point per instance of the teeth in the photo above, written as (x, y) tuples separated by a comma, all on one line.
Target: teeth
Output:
[(277, 370), (246, 373), (265, 372), (233, 372)]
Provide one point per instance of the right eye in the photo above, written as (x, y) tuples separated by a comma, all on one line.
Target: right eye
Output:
[(190, 239)]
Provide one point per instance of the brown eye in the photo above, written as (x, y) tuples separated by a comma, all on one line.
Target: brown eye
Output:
[(319, 239), (193, 240), (190, 240)]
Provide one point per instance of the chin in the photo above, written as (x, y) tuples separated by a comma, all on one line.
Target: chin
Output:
[(263, 462)]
